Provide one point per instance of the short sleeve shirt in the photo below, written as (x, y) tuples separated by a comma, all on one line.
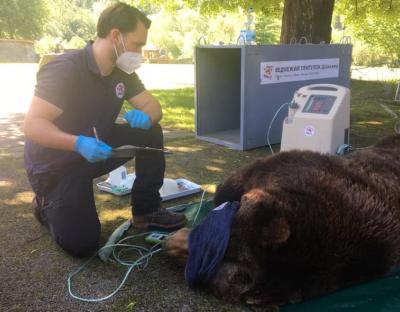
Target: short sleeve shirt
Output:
[(73, 83)]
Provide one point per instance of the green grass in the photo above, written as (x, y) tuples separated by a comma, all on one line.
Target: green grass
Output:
[(369, 120), (178, 108)]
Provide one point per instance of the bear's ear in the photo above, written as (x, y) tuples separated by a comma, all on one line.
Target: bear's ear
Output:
[(276, 231), (263, 218)]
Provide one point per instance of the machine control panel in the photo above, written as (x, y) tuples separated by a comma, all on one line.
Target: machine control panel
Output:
[(319, 104)]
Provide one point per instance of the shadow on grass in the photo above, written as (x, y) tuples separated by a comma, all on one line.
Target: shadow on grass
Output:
[(34, 270), (11, 134)]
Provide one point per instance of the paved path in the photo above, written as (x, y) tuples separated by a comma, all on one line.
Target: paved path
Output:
[(11, 136), (375, 73), (17, 82)]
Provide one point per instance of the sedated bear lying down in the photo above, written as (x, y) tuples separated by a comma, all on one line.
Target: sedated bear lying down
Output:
[(308, 224)]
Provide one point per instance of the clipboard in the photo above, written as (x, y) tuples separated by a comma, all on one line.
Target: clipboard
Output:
[(129, 151)]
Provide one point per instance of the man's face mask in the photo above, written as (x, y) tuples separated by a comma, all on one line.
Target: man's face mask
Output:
[(128, 61)]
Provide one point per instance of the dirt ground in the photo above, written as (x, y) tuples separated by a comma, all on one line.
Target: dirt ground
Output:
[(34, 271)]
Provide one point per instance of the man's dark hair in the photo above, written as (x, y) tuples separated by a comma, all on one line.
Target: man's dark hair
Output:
[(121, 16)]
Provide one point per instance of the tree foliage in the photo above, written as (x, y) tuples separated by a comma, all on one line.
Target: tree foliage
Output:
[(356, 11), (21, 19), (178, 33), (177, 24), (376, 23), (272, 8), (70, 19)]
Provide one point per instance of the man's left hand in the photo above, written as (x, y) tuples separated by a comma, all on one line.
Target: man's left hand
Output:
[(138, 119)]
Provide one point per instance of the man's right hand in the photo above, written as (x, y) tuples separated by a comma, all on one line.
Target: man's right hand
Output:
[(91, 149)]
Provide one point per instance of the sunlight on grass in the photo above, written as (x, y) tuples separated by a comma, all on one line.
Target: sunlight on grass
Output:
[(219, 161), (210, 188), (27, 216), (214, 169), (111, 215), (19, 198), (374, 123), (184, 149), (178, 111), (103, 197), (178, 108), (6, 184)]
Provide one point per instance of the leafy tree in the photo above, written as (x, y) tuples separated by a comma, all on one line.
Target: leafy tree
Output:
[(155, 6), (306, 18), (300, 18), (272, 8), (76, 43), (71, 18), (376, 23), (165, 34), (175, 29), (267, 30), (178, 33), (21, 19)]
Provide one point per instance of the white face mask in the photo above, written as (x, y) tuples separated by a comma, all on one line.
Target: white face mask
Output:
[(128, 61)]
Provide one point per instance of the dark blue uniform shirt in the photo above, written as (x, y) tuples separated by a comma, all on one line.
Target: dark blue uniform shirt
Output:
[(73, 83)]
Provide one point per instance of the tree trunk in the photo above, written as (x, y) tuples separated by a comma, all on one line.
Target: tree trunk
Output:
[(310, 19)]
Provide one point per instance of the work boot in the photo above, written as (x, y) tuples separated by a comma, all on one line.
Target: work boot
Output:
[(162, 219), (36, 210)]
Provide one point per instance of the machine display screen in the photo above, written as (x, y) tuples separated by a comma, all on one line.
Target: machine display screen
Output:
[(319, 104)]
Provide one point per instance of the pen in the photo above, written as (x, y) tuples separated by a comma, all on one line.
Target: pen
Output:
[(95, 134)]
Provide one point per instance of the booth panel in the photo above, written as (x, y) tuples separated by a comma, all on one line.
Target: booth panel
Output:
[(235, 107), (262, 101), (218, 92)]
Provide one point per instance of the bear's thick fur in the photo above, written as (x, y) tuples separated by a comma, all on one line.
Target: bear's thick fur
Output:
[(310, 224)]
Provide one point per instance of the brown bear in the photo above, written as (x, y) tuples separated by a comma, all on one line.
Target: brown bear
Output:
[(308, 224)]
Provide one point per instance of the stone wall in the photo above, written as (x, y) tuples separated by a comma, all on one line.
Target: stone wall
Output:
[(17, 51)]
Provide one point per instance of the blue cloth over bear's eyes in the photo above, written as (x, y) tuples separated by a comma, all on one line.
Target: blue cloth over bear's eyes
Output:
[(208, 242)]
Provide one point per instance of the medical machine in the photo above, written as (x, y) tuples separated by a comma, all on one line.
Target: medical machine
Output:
[(318, 119)]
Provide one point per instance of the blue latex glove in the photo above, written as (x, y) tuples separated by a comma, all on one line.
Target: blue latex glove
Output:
[(138, 119), (91, 149)]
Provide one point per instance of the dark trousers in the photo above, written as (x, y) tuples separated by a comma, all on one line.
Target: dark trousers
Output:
[(65, 196)]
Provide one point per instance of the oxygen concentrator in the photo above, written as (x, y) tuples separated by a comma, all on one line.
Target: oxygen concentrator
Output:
[(318, 119)]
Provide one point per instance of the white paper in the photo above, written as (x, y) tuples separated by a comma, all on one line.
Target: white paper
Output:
[(171, 188)]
